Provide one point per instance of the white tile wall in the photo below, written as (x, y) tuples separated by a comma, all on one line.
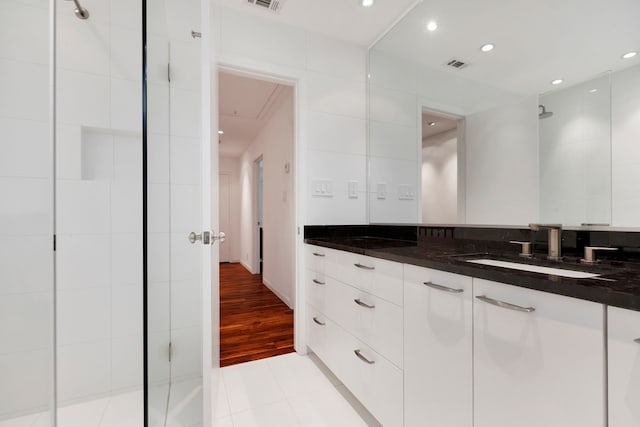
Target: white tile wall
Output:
[(332, 75)]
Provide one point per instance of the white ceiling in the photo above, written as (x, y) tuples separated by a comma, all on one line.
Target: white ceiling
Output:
[(245, 106), (342, 19), (442, 124), (536, 40)]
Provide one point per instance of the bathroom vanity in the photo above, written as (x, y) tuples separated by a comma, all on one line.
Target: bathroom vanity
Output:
[(422, 336)]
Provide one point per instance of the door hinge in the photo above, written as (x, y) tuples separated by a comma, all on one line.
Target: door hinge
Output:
[(168, 72), (169, 351), (54, 242), (298, 231)]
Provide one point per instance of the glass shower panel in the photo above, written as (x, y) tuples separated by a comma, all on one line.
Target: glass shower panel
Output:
[(174, 199), (99, 265), (26, 226)]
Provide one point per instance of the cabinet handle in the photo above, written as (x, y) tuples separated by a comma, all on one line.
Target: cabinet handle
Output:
[(364, 359), (317, 254), (363, 304), (364, 267), (637, 340), (315, 319), (503, 304), (444, 288), (317, 282)]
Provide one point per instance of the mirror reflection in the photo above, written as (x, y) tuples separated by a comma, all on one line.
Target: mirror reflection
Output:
[(545, 121)]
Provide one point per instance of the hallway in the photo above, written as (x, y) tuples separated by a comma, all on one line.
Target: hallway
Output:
[(254, 322)]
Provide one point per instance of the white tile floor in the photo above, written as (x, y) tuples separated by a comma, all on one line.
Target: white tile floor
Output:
[(286, 391), (283, 391)]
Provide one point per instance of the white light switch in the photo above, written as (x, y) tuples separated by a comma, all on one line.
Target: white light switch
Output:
[(353, 189), (405, 192), (382, 191), (322, 188)]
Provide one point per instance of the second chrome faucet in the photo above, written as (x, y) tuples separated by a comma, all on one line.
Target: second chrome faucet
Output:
[(555, 239)]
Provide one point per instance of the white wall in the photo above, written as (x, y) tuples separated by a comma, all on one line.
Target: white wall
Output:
[(502, 164), (575, 155), (275, 144), (625, 147), (231, 166), (440, 178), (332, 123), (26, 261)]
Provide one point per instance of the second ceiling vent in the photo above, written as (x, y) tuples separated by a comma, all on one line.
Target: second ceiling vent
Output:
[(272, 5)]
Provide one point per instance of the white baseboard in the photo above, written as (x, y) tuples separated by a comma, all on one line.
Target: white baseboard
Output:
[(278, 294), (247, 267)]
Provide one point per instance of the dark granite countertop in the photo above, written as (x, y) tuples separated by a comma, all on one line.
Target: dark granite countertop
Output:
[(618, 284)]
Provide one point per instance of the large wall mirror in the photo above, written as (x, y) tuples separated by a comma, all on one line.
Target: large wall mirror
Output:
[(501, 112)]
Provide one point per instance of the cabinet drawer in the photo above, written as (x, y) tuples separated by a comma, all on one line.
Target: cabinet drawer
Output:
[(438, 351), (537, 362), (314, 258), (376, 276), (316, 290), (316, 323), (375, 381), (373, 320), (624, 367)]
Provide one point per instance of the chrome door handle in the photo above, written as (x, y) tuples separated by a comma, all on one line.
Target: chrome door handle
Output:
[(363, 304), (317, 254), (206, 237), (315, 319), (364, 267), (364, 359), (444, 288), (317, 282), (506, 305)]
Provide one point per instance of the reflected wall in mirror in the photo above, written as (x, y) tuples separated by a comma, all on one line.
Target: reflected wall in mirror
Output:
[(513, 167)]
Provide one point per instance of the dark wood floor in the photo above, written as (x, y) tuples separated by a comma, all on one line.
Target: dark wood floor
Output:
[(254, 322)]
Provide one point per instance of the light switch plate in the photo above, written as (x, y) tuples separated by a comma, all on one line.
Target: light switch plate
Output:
[(353, 189), (405, 192), (322, 188), (382, 191)]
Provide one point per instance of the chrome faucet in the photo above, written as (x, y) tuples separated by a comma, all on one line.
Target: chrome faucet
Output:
[(555, 239)]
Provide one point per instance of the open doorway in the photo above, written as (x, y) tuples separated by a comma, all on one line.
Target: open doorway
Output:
[(256, 152), (442, 136)]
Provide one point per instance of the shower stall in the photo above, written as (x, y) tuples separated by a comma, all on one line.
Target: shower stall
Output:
[(101, 130)]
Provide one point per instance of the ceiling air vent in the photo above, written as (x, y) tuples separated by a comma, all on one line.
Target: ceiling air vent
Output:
[(456, 63), (272, 5)]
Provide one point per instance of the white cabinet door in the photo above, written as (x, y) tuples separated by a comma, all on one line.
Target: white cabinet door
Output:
[(438, 355), (541, 368), (624, 368)]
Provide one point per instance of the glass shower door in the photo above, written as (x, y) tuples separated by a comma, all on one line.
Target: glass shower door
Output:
[(176, 208), (26, 215)]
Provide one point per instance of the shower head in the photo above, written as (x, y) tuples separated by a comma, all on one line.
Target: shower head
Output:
[(543, 112), (80, 11)]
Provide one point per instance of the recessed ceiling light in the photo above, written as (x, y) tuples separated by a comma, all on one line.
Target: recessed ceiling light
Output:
[(432, 123), (594, 90), (220, 132), (487, 47), (629, 55), (367, 3), (432, 26), (556, 81)]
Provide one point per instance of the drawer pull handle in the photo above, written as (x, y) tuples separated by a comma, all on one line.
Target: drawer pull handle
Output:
[(364, 359), (363, 304), (507, 305), (444, 288), (637, 340), (317, 282), (317, 254), (315, 319), (364, 267)]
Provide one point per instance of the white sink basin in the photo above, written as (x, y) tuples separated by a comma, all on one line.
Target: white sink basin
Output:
[(535, 269)]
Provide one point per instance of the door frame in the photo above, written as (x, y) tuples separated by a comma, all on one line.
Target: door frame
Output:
[(296, 79), (256, 187)]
